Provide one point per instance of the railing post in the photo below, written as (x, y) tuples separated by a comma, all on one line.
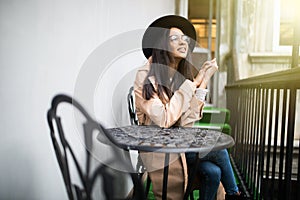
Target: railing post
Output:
[(290, 142), (282, 139)]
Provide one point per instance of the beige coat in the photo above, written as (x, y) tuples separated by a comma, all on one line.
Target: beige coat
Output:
[(183, 108)]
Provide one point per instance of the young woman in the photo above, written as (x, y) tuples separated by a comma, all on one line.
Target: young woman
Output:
[(165, 96)]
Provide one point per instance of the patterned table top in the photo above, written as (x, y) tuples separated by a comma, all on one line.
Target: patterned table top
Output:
[(170, 140)]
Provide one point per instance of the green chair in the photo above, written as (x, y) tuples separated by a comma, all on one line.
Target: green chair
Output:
[(215, 118)]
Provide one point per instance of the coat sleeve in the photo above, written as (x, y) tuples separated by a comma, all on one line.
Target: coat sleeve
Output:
[(183, 104)]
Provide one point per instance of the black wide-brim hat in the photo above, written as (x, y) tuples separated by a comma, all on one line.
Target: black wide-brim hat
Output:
[(153, 32)]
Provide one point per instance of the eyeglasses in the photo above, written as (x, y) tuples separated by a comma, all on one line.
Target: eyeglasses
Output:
[(176, 38)]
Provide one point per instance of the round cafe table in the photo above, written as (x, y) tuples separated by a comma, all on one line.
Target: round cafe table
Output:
[(170, 140)]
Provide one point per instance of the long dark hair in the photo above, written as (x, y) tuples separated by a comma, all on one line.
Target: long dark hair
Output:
[(161, 60)]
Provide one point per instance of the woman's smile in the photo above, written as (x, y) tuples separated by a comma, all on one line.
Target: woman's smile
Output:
[(182, 50)]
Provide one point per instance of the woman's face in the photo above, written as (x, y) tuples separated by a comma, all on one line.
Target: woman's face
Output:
[(179, 43)]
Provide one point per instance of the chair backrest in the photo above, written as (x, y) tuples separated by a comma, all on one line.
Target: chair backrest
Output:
[(131, 107), (87, 171)]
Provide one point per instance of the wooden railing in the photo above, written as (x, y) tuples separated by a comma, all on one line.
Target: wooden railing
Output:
[(263, 120)]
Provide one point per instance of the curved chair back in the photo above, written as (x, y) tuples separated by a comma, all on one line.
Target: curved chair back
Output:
[(87, 172), (131, 107)]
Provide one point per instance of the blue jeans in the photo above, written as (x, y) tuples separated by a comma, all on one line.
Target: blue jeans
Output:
[(213, 168)]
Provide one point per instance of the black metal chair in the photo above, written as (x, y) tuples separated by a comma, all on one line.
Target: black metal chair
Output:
[(134, 121), (131, 107), (89, 172)]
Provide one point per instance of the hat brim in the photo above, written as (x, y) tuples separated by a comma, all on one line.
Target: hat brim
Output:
[(151, 34)]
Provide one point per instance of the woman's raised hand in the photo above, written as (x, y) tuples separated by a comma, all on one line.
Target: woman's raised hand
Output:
[(209, 73), (206, 72)]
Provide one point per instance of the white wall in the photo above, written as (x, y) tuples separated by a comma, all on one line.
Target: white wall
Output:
[(43, 47)]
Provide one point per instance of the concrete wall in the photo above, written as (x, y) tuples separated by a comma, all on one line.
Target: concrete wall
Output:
[(44, 48)]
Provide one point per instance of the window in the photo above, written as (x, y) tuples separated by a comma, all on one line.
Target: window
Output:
[(284, 16)]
